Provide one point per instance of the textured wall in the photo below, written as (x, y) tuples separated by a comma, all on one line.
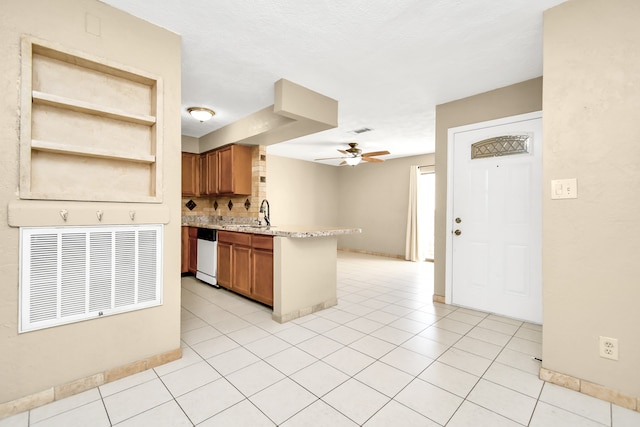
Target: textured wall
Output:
[(591, 244), (375, 198), (36, 361), (301, 192)]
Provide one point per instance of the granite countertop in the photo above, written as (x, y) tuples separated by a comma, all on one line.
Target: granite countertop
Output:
[(295, 231)]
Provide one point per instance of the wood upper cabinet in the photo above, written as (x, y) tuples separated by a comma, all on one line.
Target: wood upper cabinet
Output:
[(245, 265), (234, 170), (190, 174), (225, 171), (210, 175), (202, 179)]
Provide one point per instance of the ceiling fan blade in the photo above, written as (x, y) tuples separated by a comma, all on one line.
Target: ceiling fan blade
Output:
[(329, 158), (372, 159), (346, 153), (342, 163), (375, 153)]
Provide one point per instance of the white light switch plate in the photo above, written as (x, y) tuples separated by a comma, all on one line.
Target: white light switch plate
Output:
[(564, 188)]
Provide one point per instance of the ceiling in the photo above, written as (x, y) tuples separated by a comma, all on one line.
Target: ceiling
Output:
[(387, 62)]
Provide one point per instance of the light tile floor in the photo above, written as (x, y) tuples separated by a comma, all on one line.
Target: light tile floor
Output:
[(385, 356)]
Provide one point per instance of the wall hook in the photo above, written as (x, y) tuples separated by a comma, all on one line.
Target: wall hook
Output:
[(64, 214), (132, 215), (99, 215)]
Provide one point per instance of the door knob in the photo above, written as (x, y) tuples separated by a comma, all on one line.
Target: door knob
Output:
[(458, 220), (457, 232)]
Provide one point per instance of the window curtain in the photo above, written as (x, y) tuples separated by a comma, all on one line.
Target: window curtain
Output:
[(413, 251)]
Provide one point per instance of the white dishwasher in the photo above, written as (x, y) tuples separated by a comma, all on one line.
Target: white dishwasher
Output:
[(206, 269)]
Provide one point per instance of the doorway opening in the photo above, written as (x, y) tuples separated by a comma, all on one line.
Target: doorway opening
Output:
[(426, 209)]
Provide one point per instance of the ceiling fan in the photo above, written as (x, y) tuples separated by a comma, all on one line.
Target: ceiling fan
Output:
[(353, 155)]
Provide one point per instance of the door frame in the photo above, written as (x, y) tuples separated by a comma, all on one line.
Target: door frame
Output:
[(448, 286)]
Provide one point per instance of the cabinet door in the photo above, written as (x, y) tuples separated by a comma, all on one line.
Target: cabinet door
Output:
[(184, 250), (241, 269), (262, 269), (225, 170), (211, 180), (224, 264), (193, 249), (190, 174), (203, 175), (241, 169)]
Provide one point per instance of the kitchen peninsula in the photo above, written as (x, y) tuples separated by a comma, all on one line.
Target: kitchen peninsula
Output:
[(304, 264)]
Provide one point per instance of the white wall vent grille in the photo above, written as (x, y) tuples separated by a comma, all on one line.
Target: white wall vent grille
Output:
[(69, 274)]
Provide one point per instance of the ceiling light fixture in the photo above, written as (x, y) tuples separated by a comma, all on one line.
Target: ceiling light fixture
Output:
[(201, 113), (352, 161)]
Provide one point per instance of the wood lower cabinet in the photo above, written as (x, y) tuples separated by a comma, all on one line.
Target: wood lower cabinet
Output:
[(262, 269), (245, 264), (193, 249), (241, 269), (223, 274), (189, 250), (184, 250)]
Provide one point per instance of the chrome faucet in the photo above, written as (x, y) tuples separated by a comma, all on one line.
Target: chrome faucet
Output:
[(266, 212)]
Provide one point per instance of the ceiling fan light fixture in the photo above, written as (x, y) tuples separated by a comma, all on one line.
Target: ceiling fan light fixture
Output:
[(352, 161), (201, 113)]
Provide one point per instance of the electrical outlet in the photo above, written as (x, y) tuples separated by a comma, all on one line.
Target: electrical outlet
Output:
[(609, 348)]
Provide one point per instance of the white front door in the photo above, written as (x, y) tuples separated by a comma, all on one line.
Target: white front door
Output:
[(495, 217)]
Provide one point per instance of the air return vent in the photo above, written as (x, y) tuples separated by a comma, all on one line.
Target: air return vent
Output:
[(361, 130), (69, 274)]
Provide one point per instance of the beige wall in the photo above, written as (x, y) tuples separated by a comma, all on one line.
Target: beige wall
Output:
[(591, 244), (190, 144), (375, 197), (516, 99), (36, 361), (301, 192)]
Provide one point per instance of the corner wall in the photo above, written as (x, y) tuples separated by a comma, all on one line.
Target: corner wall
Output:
[(301, 192), (591, 244), (39, 361), (520, 98)]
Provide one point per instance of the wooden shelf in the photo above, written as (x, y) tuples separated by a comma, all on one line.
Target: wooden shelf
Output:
[(56, 147), (43, 98)]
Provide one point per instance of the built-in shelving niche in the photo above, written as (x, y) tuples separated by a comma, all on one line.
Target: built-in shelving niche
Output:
[(91, 129)]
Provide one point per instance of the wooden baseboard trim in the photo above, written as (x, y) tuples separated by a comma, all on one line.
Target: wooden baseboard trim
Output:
[(595, 390), (83, 384)]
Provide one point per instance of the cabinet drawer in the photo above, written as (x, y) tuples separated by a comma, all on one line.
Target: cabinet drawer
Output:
[(260, 241), (235, 238)]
